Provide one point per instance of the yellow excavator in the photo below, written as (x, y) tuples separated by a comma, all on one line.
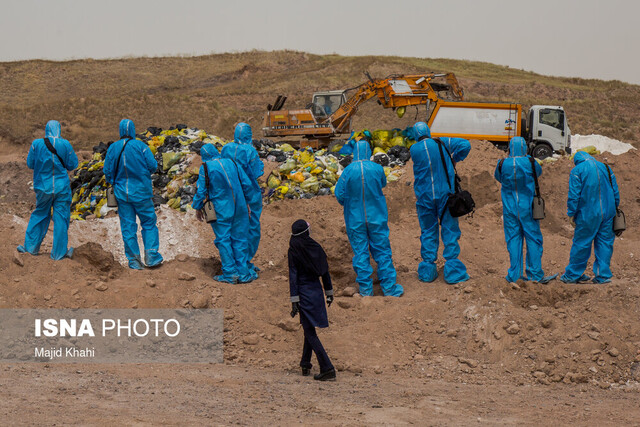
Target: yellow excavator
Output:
[(330, 112)]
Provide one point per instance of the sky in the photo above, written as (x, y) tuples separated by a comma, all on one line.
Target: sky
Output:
[(574, 38)]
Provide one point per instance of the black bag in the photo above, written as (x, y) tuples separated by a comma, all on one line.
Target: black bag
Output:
[(460, 201), (208, 209), (619, 221), (112, 202), (537, 208), (51, 148)]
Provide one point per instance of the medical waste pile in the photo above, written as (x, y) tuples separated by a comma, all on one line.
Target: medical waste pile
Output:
[(302, 173)]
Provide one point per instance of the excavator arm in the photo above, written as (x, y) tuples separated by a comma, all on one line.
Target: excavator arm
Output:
[(396, 91)]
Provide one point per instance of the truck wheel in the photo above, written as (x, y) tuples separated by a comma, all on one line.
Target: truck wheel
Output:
[(542, 151)]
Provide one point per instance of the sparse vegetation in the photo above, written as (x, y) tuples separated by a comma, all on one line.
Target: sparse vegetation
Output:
[(213, 92)]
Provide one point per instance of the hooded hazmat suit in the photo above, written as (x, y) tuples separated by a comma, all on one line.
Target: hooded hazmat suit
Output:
[(432, 190), (515, 173), (134, 192), (242, 152), (592, 203), (359, 190), (51, 185), (227, 187)]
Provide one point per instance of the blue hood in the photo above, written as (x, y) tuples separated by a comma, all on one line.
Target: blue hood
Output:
[(421, 129), (580, 157), (127, 129), (243, 134), (52, 130), (209, 152), (517, 147), (361, 151)]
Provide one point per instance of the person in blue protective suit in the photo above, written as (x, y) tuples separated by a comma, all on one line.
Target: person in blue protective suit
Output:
[(308, 262), (592, 202), (347, 148), (128, 166), (515, 173), (242, 152), (359, 191), (228, 185), (431, 185), (53, 193)]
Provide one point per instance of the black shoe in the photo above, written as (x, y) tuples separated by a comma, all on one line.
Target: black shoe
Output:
[(329, 375), (306, 372)]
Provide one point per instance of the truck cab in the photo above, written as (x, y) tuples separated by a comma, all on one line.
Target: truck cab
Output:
[(548, 131)]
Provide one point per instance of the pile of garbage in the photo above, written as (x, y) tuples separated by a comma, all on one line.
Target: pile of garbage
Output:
[(306, 173), (303, 173), (174, 182)]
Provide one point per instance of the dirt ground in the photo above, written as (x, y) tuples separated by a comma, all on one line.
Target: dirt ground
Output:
[(484, 351)]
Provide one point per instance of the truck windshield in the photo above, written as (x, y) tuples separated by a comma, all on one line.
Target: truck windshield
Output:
[(554, 118)]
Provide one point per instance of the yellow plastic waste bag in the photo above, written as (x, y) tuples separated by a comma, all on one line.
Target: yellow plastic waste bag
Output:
[(332, 165), (306, 156), (273, 181), (297, 177), (99, 206), (590, 149), (329, 176), (287, 167), (397, 140), (310, 185), (286, 148), (169, 159)]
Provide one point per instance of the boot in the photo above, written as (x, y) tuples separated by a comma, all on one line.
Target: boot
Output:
[(329, 375)]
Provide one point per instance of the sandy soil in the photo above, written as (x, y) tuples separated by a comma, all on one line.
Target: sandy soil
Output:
[(480, 352)]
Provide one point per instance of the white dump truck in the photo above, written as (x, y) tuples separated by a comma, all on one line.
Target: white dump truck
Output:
[(544, 127)]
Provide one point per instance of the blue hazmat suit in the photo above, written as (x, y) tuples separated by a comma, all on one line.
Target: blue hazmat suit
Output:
[(133, 190), (51, 185), (592, 203), (347, 148), (515, 173), (359, 190), (432, 192), (242, 152), (227, 187)]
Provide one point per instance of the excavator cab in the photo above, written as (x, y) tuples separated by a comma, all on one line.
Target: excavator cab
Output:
[(326, 103)]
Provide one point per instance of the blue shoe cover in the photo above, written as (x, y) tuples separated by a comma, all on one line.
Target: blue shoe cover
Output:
[(226, 279), (547, 279), (136, 265)]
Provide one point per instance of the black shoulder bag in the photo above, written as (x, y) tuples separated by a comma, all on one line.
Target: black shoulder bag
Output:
[(51, 148), (460, 201), (209, 211), (112, 202), (537, 208), (619, 221)]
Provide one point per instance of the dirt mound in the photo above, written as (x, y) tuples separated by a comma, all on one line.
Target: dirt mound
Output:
[(91, 255)]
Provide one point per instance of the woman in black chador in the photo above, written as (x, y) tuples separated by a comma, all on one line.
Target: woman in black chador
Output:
[(307, 262)]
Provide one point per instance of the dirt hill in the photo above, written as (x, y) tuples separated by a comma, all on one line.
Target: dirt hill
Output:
[(213, 92)]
